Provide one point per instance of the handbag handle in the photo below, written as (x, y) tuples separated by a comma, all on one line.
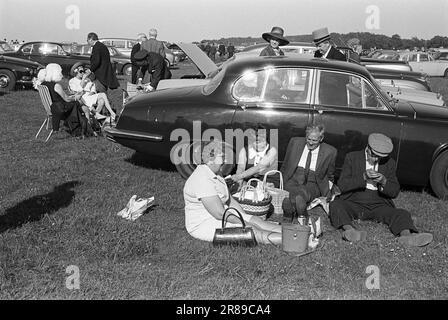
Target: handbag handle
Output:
[(263, 186), (273, 172), (224, 219)]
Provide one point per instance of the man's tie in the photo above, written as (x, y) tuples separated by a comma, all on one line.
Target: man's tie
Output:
[(307, 165)]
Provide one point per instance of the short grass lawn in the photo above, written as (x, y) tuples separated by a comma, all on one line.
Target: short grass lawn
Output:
[(58, 214)]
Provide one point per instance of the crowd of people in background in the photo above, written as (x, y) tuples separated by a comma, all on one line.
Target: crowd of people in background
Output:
[(217, 51)]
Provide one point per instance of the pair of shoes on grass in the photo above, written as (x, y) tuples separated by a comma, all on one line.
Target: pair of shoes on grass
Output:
[(416, 239), (412, 240)]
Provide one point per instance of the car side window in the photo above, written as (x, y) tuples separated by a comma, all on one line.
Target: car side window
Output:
[(118, 43), (333, 88), (27, 49), (287, 85), (107, 42), (48, 48), (370, 98), (250, 86), (424, 57), (413, 57)]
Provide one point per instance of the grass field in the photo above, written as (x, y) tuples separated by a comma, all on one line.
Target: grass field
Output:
[(59, 204)]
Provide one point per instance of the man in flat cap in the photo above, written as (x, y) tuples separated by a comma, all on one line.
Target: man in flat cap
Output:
[(368, 184), (275, 39), (325, 49)]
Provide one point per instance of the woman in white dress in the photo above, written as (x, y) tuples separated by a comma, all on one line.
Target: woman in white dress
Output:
[(81, 83), (206, 197)]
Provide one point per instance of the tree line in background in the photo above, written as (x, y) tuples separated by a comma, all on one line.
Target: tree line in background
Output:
[(368, 40)]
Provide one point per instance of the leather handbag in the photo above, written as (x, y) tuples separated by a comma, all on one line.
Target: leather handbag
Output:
[(234, 236)]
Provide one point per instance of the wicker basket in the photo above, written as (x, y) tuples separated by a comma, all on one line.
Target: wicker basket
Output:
[(254, 206), (278, 194)]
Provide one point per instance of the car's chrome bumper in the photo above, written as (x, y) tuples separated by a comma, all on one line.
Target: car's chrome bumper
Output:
[(112, 133)]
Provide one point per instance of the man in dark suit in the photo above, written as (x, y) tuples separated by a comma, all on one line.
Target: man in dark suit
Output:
[(325, 49), (307, 170), (135, 66), (154, 45), (368, 184), (100, 65)]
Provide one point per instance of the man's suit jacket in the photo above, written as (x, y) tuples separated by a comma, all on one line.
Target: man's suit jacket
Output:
[(135, 49), (153, 45), (102, 68), (325, 166), (158, 69), (352, 180), (269, 51), (333, 54)]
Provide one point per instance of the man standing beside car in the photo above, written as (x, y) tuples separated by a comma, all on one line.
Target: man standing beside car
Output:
[(135, 66), (325, 49), (100, 65), (154, 45)]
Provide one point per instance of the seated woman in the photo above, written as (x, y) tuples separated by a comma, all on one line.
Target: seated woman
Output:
[(64, 107), (206, 198), (256, 158), (81, 83)]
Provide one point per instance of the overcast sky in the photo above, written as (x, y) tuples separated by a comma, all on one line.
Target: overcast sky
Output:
[(194, 20)]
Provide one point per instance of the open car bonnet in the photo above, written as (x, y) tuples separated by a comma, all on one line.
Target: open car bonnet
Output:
[(199, 58)]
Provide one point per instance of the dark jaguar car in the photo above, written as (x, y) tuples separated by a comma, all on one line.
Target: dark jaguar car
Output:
[(48, 52), (14, 72), (285, 94)]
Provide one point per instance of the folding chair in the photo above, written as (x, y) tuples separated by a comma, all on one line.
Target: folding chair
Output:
[(46, 101)]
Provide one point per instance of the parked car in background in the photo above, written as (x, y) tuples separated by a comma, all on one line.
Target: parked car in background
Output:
[(15, 71), (122, 63), (49, 52), (389, 55), (341, 95), (424, 62), (178, 52), (5, 47), (441, 55), (124, 45)]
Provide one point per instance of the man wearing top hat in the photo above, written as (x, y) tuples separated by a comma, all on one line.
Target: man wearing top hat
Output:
[(325, 49), (275, 39), (368, 184)]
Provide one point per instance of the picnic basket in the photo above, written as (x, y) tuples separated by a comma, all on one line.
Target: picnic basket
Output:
[(250, 201), (278, 194)]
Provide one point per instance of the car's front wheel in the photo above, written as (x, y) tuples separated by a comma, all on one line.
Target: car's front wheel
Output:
[(7, 80), (127, 69), (446, 73), (439, 176)]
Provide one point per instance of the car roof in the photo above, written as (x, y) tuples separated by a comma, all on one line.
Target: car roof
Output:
[(264, 44), (294, 61)]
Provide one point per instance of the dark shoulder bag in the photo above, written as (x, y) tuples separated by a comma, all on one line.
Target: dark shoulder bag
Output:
[(236, 236)]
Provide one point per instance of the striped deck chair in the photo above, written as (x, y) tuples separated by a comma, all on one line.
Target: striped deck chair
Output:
[(46, 101)]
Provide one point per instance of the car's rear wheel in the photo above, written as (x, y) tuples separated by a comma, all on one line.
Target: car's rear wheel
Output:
[(127, 69), (439, 176), (7, 80), (446, 73), (186, 156)]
